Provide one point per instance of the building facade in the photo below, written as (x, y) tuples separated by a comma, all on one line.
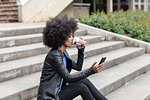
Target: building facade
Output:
[(116, 5), (142, 4)]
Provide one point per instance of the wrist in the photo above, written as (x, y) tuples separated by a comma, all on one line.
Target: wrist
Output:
[(92, 70), (81, 47)]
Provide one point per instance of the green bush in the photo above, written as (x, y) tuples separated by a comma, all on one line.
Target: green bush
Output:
[(135, 24)]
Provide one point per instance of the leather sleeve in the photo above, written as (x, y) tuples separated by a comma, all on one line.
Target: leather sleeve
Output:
[(78, 66), (56, 61)]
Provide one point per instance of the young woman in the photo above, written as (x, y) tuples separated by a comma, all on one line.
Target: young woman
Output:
[(56, 81)]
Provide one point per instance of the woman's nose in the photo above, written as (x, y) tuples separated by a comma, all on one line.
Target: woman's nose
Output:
[(72, 38)]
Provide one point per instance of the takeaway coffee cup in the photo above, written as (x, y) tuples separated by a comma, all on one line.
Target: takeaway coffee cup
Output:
[(78, 40)]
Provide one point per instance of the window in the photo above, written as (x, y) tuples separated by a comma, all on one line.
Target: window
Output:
[(136, 6), (142, 1), (120, 4), (142, 7), (136, 0)]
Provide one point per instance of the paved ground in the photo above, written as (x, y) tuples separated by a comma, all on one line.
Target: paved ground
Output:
[(4, 26)]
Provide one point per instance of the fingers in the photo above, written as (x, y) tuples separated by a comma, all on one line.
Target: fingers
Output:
[(97, 68), (79, 46), (100, 66), (82, 38), (94, 63)]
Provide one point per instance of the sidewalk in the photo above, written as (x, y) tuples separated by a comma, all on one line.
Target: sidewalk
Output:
[(7, 26)]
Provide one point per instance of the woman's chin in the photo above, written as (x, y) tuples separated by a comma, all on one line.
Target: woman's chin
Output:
[(70, 46)]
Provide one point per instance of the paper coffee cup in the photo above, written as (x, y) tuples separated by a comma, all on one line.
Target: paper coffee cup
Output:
[(78, 40)]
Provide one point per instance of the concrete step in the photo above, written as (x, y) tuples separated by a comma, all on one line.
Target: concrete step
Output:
[(8, 5), (137, 89), (34, 98), (9, 12), (7, 2), (111, 79), (8, 19), (17, 68), (18, 52), (6, 27), (80, 33), (105, 81), (13, 69), (98, 48), (4, 15), (14, 9), (92, 39), (21, 30), (23, 88), (20, 40), (36, 38), (27, 28), (115, 57)]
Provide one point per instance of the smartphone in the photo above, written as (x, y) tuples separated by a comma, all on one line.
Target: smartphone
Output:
[(102, 60)]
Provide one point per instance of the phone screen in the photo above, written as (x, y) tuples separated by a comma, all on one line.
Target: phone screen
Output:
[(102, 60)]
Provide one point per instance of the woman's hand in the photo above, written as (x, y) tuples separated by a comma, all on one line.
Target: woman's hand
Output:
[(97, 68), (78, 45)]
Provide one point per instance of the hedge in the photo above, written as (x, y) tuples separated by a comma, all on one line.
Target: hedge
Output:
[(135, 24)]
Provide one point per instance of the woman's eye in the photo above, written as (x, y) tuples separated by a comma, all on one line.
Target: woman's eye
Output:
[(71, 36)]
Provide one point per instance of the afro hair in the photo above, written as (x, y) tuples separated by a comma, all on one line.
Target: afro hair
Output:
[(58, 30)]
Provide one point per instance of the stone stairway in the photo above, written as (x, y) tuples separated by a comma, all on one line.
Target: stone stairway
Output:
[(8, 11), (139, 89), (22, 54)]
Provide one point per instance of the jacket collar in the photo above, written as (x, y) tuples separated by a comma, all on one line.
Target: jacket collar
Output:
[(61, 53), (66, 54)]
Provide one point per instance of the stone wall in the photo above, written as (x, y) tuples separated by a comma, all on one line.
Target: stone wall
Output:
[(128, 41), (42, 10)]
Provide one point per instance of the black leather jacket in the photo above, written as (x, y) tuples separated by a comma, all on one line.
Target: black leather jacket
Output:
[(54, 69)]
